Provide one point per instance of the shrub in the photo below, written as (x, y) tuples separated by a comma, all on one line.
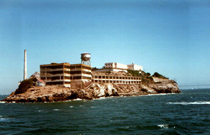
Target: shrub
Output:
[(156, 74), (25, 84), (133, 72), (94, 68), (148, 74)]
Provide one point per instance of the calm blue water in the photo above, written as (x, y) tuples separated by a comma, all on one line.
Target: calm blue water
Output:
[(185, 113)]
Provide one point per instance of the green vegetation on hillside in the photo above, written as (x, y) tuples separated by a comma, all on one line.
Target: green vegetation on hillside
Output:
[(145, 77), (133, 72), (156, 74), (25, 84)]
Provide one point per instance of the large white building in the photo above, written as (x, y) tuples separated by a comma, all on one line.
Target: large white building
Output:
[(115, 65), (134, 67)]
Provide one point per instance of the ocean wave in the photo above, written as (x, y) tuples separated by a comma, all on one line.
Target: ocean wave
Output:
[(163, 126), (2, 102), (166, 126), (56, 109), (101, 98), (159, 94), (77, 99), (156, 94), (190, 103), (4, 118), (40, 110)]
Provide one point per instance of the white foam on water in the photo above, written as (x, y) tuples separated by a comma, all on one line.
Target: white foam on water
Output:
[(77, 99), (40, 110), (2, 118), (101, 98), (71, 106), (56, 109), (191, 103), (163, 126), (2, 102), (157, 94)]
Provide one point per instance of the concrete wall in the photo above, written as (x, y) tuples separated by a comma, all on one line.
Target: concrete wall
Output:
[(116, 65), (121, 66), (135, 67)]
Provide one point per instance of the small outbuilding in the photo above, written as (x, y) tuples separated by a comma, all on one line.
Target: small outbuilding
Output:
[(40, 82)]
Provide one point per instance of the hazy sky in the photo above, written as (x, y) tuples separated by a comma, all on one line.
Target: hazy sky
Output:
[(171, 37)]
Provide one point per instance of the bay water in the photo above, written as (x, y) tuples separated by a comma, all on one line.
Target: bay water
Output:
[(186, 113)]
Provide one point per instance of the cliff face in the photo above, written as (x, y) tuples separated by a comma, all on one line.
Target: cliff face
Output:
[(95, 90)]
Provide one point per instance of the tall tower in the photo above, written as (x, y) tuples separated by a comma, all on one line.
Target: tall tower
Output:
[(85, 59), (25, 65)]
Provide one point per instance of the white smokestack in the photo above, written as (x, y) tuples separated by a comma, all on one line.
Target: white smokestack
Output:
[(25, 65)]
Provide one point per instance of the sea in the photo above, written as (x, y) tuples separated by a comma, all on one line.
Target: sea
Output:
[(187, 113)]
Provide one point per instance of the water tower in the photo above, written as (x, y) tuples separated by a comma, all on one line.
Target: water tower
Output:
[(85, 59)]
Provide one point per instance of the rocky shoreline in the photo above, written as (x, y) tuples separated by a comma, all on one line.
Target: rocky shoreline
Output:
[(95, 90)]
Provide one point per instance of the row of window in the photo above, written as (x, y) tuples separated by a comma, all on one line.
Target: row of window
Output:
[(54, 67), (67, 72), (117, 77), (80, 66), (56, 78), (57, 82), (55, 72), (119, 82), (64, 66), (62, 77), (84, 77), (65, 77), (80, 77), (54, 83), (80, 72)]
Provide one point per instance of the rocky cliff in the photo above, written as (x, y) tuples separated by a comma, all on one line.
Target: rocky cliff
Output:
[(95, 90)]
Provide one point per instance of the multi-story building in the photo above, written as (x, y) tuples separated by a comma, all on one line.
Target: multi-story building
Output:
[(56, 74), (80, 72), (81, 75), (65, 74), (113, 78)]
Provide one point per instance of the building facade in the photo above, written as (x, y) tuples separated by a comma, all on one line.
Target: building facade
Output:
[(116, 79), (64, 74), (56, 74), (116, 67), (135, 67), (80, 75)]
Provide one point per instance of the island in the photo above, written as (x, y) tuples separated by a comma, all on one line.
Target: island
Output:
[(65, 81), (150, 84)]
